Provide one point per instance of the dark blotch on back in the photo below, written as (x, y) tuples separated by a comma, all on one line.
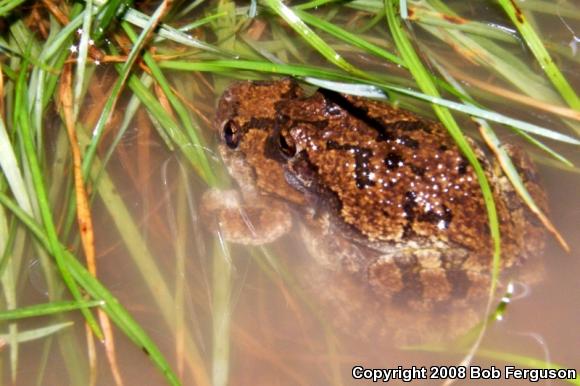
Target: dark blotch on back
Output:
[(434, 217), (408, 231), (393, 160), (413, 285), (362, 158), (362, 168), (462, 166), (385, 136), (333, 145), (418, 170), (459, 282), (385, 133), (409, 205), (409, 142), (410, 126)]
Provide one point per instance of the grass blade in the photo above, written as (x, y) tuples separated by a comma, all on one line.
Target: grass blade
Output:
[(312, 38), (425, 82), (221, 312), (82, 57), (8, 5), (47, 309), (507, 357), (349, 37), (115, 92), (512, 174), (44, 205), (39, 333), (111, 305), (317, 72), (542, 56), (141, 20), (200, 161), (11, 171), (508, 167)]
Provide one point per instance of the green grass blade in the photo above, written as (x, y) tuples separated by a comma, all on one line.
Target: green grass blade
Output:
[(140, 88), (8, 5), (11, 171), (64, 35), (547, 7), (512, 174), (312, 38), (542, 56), (425, 82), (142, 258), (108, 13), (201, 162), (82, 57), (451, 22), (93, 287), (315, 4), (141, 20), (224, 66), (470, 102), (348, 37), (545, 148), (221, 312), (47, 309), (362, 90), (39, 333), (491, 116), (44, 205), (8, 279), (517, 359), (26, 41), (118, 86), (497, 59), (200, 22)]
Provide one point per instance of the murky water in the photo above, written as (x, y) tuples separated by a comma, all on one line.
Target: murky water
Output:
[(281, 330)]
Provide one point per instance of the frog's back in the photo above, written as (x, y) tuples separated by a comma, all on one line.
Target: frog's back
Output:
[(388, 176), (396, 176)]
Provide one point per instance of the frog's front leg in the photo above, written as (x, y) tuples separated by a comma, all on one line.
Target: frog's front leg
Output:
[(428, 278), (253, 220)]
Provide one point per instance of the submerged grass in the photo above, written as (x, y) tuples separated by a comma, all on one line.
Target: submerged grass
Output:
[(46, 309), (541, 53), (505, 357), (149, 47)]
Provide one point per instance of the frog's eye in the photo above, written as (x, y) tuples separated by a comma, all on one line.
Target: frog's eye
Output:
[(288, 149), (231, 134)]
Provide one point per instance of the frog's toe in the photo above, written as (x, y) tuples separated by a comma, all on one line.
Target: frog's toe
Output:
[(238, 221)]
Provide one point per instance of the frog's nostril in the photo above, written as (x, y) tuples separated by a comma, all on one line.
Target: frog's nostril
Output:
[(231, 134)]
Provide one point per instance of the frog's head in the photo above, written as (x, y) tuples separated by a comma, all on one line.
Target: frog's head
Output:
[(252, 149), (251, 105)]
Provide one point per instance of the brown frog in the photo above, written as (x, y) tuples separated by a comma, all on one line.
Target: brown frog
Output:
[(383, 195)]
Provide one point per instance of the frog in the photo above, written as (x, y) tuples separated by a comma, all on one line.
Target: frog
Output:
[(381, 197)]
